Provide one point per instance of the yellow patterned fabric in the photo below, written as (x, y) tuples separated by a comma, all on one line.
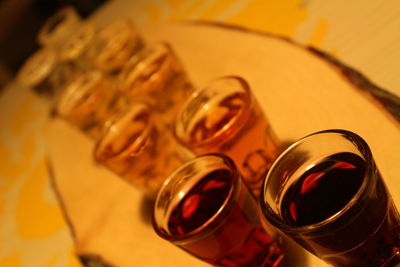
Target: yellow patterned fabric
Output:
[(32, 228)]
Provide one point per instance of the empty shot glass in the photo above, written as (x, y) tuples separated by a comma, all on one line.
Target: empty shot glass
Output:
[(59, 27), (224, 117), (205, 209), (156, 76), (326, 193), (135, 147), (88, 102), (114, 45)]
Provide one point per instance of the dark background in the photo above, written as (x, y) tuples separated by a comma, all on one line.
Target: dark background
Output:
[(20, 22)]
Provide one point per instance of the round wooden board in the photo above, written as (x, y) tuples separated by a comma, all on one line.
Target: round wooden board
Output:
[(300, 93)]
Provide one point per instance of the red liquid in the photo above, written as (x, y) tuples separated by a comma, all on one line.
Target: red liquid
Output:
[(237, 240), (367, 235)]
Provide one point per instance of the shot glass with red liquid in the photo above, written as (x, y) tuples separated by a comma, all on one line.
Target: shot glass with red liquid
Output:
[(155, 75), (224, 117), (326, 193), (137, 148), (205, 209)]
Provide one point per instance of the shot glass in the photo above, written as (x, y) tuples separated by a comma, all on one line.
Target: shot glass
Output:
[(59, 27), (138, 150), (45, 74), (75, 50), (224, 117), (114, 45), (88, 102), (156, 76), (326, 193), (205, 209)]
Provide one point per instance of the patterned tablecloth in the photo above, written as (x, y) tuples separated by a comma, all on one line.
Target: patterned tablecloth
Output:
[(33, 233)]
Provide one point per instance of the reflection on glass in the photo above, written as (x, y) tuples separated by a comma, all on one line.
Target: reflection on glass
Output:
[(45, 74), (156, 76), (205, 209), (59, 27), (89, 102), (114, 45), (75, 49), (224, 117), (138, 149), (326, 193)]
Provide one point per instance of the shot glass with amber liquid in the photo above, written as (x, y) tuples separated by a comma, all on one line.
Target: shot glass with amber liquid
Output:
[(88, 102), (75, 50), (137, 150), (224, 117), (114, 45), (156, 76)]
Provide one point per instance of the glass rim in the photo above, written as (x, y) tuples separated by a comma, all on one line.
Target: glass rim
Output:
[(114, 38), (271, 216), (213, 222), (54, 25), (76, 45), (77, 89), (116, 125), (37, 67), (139, 63), (228, 130)]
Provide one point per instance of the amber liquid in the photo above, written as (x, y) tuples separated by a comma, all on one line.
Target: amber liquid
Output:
[(88, 103), (369, 235), (244, 135), (140, 154), (160, 81), (237, 241)]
